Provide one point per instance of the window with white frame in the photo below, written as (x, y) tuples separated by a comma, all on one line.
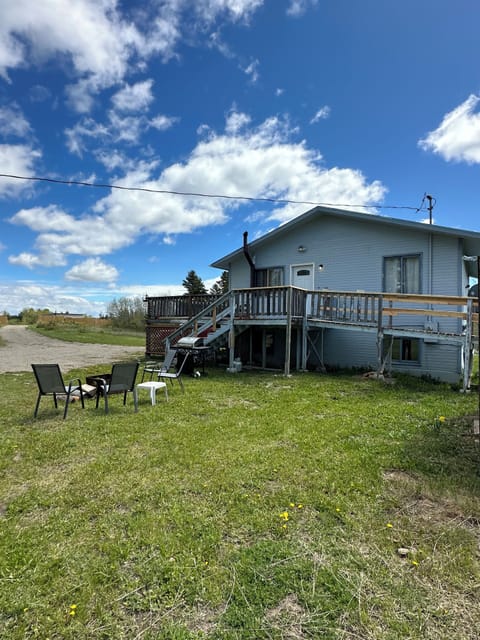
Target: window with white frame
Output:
[(401, 274), (272, 277)]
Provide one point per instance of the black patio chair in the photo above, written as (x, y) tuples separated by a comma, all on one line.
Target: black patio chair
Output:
[(154, 366), (122, 380), (50, 383), (176, 375)]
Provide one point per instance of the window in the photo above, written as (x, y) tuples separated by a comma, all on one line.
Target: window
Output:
[(272, 277), (401, 274), (406, 350)]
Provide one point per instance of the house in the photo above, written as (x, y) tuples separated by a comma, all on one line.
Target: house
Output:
[(337, 288)]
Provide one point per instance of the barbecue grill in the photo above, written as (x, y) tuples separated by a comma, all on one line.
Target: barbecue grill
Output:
[(189, 342), (194, 349)]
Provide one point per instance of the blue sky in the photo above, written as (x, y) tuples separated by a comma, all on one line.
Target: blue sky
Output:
[(328, 101)]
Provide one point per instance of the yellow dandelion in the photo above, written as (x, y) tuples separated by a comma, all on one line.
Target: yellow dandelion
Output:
[(389, 525), (284, 515), (300, 506), (337, 509), (441, 419), (284, 526), (292, 504), (414, 563)]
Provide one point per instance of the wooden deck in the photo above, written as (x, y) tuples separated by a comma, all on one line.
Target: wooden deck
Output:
[(447, 319)]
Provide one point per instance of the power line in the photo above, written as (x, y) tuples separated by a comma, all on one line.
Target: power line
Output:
[(205, 195)]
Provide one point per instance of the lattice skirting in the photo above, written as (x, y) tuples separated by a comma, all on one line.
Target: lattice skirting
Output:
[(155, 339)]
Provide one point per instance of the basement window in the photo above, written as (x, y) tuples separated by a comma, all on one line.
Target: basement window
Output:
[(406, 350)]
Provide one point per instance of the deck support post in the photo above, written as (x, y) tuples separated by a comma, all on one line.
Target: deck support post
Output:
[(380, 362), (288, 331), (468, 347), (231, 333), (304, 338)]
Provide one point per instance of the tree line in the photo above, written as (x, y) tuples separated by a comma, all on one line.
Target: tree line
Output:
[(129, 313)]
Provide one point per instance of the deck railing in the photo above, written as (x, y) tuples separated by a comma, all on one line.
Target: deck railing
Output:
[(185, 306), (350, 307)]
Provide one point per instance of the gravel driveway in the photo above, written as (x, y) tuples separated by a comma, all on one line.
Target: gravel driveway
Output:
[(24, 347)]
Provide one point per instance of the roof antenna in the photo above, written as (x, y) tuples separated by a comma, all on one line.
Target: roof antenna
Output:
[(431, 204)]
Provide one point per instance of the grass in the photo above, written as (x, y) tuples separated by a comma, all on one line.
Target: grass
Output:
[(253, 506), (76, 333)]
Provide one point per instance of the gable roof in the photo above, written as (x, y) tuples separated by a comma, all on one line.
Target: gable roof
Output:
[(471, 239)]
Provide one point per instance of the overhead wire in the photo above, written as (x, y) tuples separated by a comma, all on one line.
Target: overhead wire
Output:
[(205, 195)]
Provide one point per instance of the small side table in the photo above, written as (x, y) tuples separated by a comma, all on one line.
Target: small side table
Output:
[(152, 386)]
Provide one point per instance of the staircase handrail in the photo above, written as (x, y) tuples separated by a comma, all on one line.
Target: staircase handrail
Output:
[(191, 322)]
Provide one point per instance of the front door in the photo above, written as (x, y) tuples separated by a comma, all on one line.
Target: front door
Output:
[(302, 277)]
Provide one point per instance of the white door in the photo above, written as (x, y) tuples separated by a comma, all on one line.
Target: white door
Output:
[(302, 276)]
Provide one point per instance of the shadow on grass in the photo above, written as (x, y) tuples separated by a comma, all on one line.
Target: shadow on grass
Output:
[(446, 449)]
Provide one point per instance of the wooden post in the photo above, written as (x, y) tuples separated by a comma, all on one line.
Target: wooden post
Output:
[(305, 331), (468, 347), (380, 336), (231, 333), (288, 331)]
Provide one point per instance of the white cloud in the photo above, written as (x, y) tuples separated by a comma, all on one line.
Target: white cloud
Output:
[(13, 122), (101, 44), (93, 270), (134, 97), (457, 138), (299, 7), (118, 129), (115, 159), (279, 91), (16, 160), (24, 294), (162, 122), (322, 114), (44, 219), (85, 129), (39, 93), (236, 10), (90, 32), (236, 121), (251, 71), (25, 259), (262, 161)]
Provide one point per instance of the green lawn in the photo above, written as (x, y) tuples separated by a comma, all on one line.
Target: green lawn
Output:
[(75, 333), (253, 506)]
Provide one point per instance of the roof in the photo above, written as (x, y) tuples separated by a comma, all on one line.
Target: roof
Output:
[(471, 238)]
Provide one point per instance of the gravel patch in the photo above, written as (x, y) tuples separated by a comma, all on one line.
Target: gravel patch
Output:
[(24, 347)]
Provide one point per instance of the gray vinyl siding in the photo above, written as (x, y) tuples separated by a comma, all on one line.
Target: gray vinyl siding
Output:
[(352, 254), (240, 274)]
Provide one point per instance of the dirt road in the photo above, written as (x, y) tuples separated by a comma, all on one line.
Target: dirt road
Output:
[(24, 347)]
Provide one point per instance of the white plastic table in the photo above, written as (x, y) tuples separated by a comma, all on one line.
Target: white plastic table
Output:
[(152, 386)]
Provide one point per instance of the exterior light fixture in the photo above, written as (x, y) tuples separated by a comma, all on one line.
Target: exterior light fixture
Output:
[(321, 267), (301, 248)]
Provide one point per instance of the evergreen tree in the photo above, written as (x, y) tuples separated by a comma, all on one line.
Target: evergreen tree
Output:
[(193, 284), (221, 285)]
